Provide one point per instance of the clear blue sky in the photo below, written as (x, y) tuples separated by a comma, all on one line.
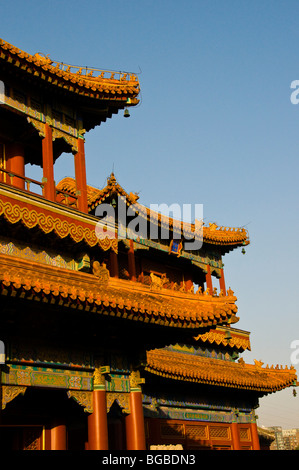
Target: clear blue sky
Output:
[(215, 127)]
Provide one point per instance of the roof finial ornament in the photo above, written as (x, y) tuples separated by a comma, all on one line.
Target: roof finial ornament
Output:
[(42, 58), (111, 180)]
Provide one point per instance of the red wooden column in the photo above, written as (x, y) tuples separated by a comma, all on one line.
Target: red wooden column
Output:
[(135, 431), (209, 279), (80, 176), (235, 436), (131, 262), (222, 283), (255, 437), (16, 164), (113, 264), (188, 280), (97, 421), (58, 437), (48, 165)]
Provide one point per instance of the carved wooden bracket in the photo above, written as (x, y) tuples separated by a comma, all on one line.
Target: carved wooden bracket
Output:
[(123, 399), (83, 398), (9, 392)]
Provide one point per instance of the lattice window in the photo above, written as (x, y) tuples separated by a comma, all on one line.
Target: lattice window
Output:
[(245, 434), (219, 432), (196, 432), (172, 431)]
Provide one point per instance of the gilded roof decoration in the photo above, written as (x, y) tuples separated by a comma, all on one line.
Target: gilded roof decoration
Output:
[(97, 196), (88, 81), (218, 372), (218, 336), (212, 233), (100, 294)]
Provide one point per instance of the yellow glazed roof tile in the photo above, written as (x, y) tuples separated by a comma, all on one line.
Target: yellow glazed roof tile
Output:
[(91, 82), (237, 339), (103, 295), (199, 369), (225, 236)]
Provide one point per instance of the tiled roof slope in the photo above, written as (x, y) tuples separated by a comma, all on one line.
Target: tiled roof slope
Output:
[(86, 81), (218, 372), (113, 297), (224, 236)]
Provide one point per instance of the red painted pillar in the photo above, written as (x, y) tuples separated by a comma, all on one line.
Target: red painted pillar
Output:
[(255, 437), (235, 436), (97, 422), (48, 165), (113, 264), (80, 176), (16, 164), (58, 437), (135, 432), (188, 280), (209, 279), (222, 283)]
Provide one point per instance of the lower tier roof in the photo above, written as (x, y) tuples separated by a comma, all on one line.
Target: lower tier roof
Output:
[(99, 293), (218, 372)]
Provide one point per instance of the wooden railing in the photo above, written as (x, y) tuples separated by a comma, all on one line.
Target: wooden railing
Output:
[(7, 176), (63, 197)]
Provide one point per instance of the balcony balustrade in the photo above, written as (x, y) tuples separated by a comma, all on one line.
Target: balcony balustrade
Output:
[(25, 183)]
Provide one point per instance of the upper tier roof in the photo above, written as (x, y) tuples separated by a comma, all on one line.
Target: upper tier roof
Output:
[(89, 80), (100, 91)]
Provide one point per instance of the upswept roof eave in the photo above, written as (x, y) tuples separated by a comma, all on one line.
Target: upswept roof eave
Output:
[(113, 297), (212, 234), (217, 372), (125, 88)]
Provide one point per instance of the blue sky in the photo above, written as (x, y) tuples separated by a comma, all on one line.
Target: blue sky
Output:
[(215, 126)]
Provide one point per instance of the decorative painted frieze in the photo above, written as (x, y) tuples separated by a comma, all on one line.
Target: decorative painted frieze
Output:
[(34, 253), (28, 376)]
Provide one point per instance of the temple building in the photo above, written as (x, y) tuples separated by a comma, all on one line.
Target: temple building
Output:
[(110, 339)]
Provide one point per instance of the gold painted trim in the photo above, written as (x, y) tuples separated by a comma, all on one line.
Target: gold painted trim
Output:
[(31, 218), (10, 392)]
